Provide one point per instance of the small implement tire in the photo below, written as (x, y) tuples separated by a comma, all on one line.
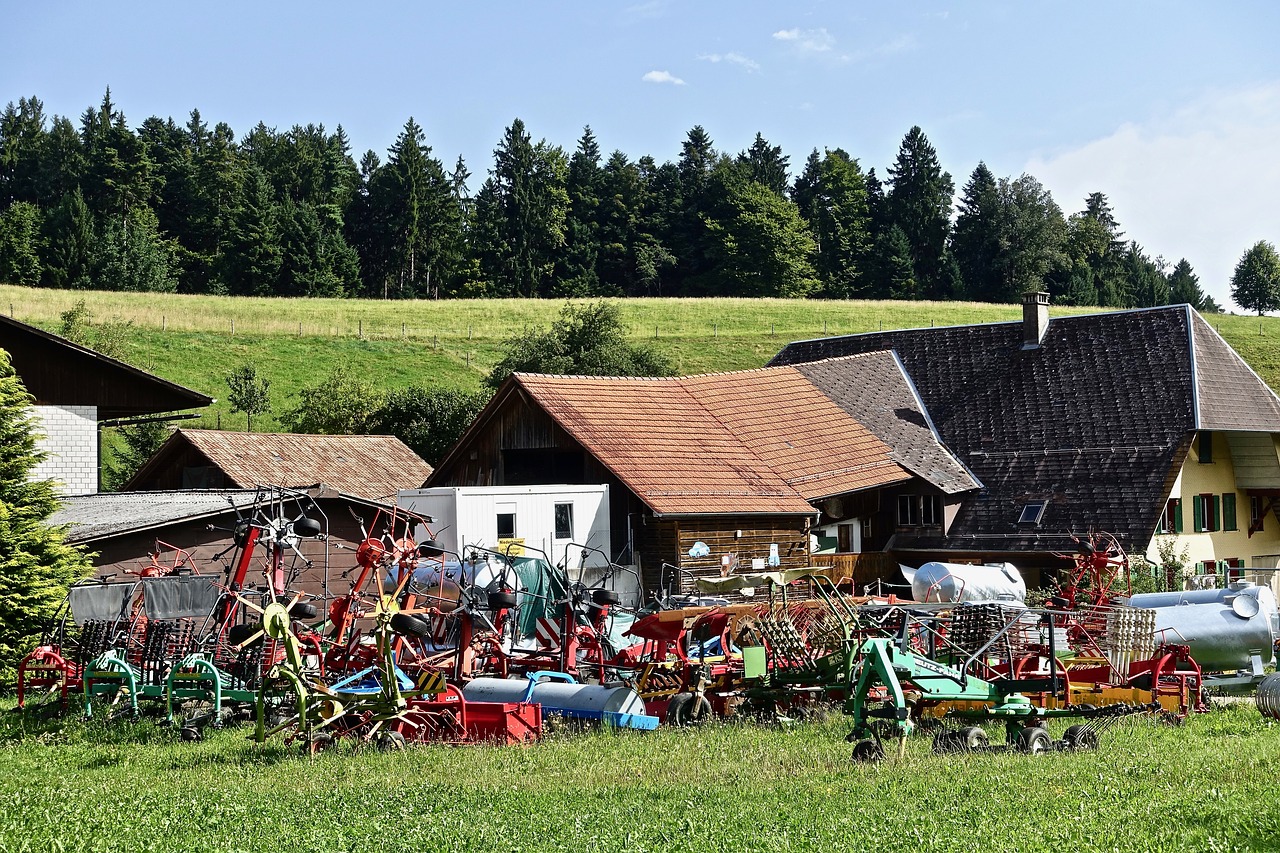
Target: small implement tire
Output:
[(685, 709), (972, 738), (302, 610), (307, 527), (1080, 738), (237, 634), (1034, 740), (502, 600), (867, 751), (605, 596), (407, 623), (390, 741)]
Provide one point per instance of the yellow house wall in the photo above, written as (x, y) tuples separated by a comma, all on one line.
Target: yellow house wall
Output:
[(1217, 477)]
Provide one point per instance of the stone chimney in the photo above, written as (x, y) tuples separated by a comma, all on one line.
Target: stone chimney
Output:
[(1035, 318)]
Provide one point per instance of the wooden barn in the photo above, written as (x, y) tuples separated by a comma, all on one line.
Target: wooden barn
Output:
[(76, 390), (128, 531), (715, 474)]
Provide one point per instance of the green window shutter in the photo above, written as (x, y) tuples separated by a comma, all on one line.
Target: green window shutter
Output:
[(1229, 511), (1177, 516), (1197, 513), (1217, 513)]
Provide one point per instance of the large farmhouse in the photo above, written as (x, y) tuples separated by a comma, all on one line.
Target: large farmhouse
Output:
[(1143, 424)]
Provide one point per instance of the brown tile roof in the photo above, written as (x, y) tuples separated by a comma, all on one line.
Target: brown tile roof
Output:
[(374, 467), (758, 441)]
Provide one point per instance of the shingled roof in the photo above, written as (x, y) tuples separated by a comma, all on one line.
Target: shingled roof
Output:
[(1095, 420), (374, 467), (764, 441)]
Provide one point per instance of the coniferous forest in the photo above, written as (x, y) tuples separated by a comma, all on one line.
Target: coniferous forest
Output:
[(197, 209)]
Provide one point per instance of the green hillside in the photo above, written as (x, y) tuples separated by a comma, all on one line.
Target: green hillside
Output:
[(197, 340)]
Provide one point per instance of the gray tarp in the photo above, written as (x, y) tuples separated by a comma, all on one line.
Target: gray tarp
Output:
[(180, 596), (99, 601)]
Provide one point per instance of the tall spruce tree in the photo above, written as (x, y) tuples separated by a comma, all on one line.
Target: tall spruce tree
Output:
[(576, 273), (36, 565), (975, 242), (1184, 286), (919, 203), (766, 165)]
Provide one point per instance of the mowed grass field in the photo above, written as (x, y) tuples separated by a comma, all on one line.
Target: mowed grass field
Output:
[(1206, 786), (198, 340)]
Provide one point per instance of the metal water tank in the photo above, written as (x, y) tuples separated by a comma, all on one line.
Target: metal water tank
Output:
[(558, 694), (951, 582), (1222, 637), (1266, 599)]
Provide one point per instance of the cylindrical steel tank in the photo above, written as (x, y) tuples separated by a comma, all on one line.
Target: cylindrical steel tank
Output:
[(1268, 697), (584, 701), (1222, 637), (949, 582), (1266, 599)]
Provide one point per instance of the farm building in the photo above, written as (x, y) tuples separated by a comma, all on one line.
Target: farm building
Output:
[(726, 472), (76, 392), (128, 531), (373, 467), (1144, 424)]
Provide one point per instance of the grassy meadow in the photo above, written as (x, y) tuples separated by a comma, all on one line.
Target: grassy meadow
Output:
[(197, 340), (1205, 786)]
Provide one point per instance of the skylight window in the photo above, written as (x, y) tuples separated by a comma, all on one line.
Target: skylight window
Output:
[(1032, 512)]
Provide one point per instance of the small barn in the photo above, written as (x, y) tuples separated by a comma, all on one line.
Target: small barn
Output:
[(77, 391), (373, 467), (129, 531), (714, 474)]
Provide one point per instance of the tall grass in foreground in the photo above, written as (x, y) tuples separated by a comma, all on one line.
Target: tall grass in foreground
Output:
[(1206, 786)]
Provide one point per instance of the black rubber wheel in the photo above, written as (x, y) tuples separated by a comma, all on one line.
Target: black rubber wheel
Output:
[(407, 623), (390, 741), (237, 634), (303, 610), (1080, 737), (605, 596), (945, 743), (685, 709), (503, 600), (867, 751), (191, 734), (1034, 740), (307, 527), (972, 737)]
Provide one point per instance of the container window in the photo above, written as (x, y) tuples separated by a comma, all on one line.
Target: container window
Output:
[(564, 521), (506, 525)]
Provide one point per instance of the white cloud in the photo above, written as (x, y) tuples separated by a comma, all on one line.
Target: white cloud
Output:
[(1200, 183), (662, 77), (732, 59), (807, 41)]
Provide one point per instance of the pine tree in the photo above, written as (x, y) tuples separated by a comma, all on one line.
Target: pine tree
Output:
[(36, 565), (576, 274), (840, 221), (1184, 286), (919, 203), (69, 244), (765, 164), (975, 242), (20, 244)]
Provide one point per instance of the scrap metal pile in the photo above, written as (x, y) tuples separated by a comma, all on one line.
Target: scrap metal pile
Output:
[(410, 643)]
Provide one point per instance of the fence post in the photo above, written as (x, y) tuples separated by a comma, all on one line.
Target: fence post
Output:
[(360, 329), (233, 325)]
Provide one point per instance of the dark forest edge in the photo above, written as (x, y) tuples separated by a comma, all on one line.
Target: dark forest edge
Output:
[(192, 209)]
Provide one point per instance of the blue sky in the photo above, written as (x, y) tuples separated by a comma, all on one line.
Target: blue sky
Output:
[(1171, 108)]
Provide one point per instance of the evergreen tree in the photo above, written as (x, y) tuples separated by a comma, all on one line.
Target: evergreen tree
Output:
[(36, 565), (1094, 245), (766, 165), (254, 256), (1184, 286), (69, 244), (1255, 284), (976, 242), (576, 274), (118, 174), (839, 219), (520, 213), (22, 149), (20, 244), (1145, 281), (133, 255), (897, 268), (919, 203)]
